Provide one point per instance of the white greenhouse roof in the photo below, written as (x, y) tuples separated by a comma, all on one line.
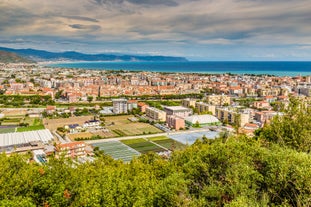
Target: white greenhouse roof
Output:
[(18, 138), (202, 119)]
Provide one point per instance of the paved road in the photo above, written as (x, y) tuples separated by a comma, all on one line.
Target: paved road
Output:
[(143, 136)]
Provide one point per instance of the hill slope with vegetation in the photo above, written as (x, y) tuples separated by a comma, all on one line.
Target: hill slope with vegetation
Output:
[(228, 171), (10, 57)]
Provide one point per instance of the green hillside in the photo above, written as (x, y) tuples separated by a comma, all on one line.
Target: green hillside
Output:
[(226, 172), (9, 57)]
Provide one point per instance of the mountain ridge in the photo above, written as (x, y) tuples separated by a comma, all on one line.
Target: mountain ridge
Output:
[(42, 55)]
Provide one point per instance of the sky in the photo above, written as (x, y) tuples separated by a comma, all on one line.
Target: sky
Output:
[(196, 29)]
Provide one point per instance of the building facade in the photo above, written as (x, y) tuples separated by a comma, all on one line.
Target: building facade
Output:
[(232, 116), (175, 122), (120, 106), (188, 102), (71, 149), (204, 107), (155, 114), (178, 111), (218, 100)]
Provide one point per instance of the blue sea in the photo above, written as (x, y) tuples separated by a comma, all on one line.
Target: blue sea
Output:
[(207, 67)]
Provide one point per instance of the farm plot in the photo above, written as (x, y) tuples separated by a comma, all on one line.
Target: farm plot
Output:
[(117, 150), (80, 135), (167, 142), (53, 124), (121, 126), (143, 145), (6, 129)]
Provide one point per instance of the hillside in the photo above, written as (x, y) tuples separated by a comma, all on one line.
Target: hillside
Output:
[(10, 57), (228, 171), (41, 55)]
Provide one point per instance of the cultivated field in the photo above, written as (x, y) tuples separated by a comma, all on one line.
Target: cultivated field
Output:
[(79, 135), (143, 145), (121, 126), (167, 143), (53, 124), (7, 129)]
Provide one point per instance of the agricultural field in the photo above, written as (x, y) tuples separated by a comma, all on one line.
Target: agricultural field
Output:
[(143, 145), (79, 135), (121, 126), (7, 129), (117, 150), (53, 124), (34, 124), (30, 128), (167, 143), (10, 121)]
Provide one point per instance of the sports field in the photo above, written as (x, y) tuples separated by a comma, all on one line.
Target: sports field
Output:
[(117, 150)]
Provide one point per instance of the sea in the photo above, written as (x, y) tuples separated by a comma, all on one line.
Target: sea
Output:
[(276, 68)]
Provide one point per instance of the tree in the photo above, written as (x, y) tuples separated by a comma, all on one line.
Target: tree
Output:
[(292, 128), (90, 99)]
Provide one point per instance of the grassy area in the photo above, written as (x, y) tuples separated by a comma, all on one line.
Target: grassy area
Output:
[(142, 145), (30, 128), (7, 130)]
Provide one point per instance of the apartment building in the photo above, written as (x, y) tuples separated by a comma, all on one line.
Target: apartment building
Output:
[(71, 149), (218, 100), (178, 111), (155, 114), (232, 116), (120, 106), (175, 122), (204, 107), (188, 102)]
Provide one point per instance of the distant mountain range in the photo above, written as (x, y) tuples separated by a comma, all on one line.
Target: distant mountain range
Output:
[(10, 57), (41, 56)]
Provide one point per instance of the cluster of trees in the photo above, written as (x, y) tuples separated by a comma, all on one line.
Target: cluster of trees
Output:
[(272, 169), (32, 100)]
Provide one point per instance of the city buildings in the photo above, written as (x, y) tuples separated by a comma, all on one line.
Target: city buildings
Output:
[(232, 116), (155, 114), (120, 106), (71, 149), (178, 111), (175, 122), (204, 107), (188, 102), (218, 100)]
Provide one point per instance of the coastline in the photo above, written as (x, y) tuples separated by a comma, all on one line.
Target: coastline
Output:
[(275, 68)]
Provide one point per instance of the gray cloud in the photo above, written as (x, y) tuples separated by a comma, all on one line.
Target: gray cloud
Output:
[(85, 27), (139, 2), (88, 19)]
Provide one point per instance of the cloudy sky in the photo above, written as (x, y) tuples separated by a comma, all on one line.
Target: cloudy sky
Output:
[(196, 29)]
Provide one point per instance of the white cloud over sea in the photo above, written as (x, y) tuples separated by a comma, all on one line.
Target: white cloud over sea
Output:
[(197, 29)]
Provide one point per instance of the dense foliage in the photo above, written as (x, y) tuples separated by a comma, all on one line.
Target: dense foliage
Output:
[(235, 172)]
